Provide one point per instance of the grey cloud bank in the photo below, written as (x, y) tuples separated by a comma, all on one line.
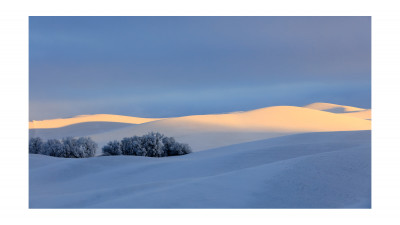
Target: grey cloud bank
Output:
[(174, 66)]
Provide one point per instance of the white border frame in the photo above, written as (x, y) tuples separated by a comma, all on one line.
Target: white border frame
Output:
[(14, 112)]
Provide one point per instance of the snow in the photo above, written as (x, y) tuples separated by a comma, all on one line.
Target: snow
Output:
[(77, 130), (334, 108), (364, 114), (341, 110), (317, 156), (203, 132), (310, 170), (62, 122)]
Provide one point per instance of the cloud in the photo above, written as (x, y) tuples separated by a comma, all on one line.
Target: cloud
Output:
[(175, 65)]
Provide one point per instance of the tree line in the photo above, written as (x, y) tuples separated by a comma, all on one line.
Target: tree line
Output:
[(68, 147), (152, 144)]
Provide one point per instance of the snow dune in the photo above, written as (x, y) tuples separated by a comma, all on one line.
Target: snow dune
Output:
[(62, 122), (333, 107), (365, 114), (78, 129), (311, 170), (342, 110), (317, 156), (203, 132)]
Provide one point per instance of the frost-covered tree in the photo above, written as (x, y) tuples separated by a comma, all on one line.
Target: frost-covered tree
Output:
[(112, 148), (53, 147), (71, 148), (133, 146), (86, 147), (181, 149), (35, 145), (78, 148), (153, 144), (127, 146), (171, 147), (137, 145), (68, 147)]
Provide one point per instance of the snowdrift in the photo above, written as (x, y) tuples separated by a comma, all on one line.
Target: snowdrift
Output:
[(203, 132), (334, 108), (62, 122), (312, 170), (77, 130), (342, 110), (364, 114)]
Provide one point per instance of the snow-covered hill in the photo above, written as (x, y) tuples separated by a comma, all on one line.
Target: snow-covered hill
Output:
[(364, 114), (342, 110), (77, 130), (334, 108), (62, 122), (311, 170), (203, 132)]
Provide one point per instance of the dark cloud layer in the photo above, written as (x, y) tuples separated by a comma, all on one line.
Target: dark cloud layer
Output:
[(173, 66)]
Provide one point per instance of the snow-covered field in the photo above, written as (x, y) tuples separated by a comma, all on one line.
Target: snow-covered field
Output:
[(204, 132), (313, 170), (317, 156)]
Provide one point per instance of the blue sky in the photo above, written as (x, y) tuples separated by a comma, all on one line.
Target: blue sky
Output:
[(174, 66)]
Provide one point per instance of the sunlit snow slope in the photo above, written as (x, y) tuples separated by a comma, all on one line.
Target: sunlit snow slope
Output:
[(342, 109), (210, 131), (62, 122), (203, 132), (333, 107)]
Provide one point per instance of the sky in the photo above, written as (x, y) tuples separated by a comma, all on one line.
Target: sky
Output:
[(177, 66)]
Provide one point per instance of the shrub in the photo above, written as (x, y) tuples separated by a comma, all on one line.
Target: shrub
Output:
[(53, 147), (137, 145), (112, 148), (152, 144), (35, 145), (127, 147), (68, 147), (86, 147), (171, 147)]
